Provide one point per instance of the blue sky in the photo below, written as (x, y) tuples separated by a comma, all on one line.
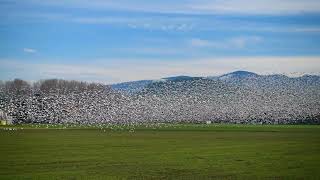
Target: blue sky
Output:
[(115, 41)]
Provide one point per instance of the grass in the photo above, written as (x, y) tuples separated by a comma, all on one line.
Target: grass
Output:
[(178, 151)]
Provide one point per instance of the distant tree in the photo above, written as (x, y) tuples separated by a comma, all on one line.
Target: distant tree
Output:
[(17, 87), (48, 86), (15, 99)]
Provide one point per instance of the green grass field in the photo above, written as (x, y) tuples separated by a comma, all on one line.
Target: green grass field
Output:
[(160, 152)]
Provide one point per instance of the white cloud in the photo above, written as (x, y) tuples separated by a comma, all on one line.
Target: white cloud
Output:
[(177, 22), (29, 50), (267, 7), (181, 23), (154, 22), (231, 43), (195, 6), (150, 50), (200, 42), (242, 42)]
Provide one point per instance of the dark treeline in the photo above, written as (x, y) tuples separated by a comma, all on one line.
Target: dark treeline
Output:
[(53, 100), (272, 101), (21, 87)]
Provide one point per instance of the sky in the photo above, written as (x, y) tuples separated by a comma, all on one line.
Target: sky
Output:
[(111, 41)]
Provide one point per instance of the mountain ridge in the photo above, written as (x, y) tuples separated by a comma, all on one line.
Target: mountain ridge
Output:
[(235, 77)]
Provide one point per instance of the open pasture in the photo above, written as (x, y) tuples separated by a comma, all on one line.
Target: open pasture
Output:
[(160, 152)]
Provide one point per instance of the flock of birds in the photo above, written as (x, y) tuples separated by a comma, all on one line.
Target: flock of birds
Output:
[(230, 99)]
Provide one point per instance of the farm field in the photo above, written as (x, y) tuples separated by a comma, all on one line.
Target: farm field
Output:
[(185, 151)]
